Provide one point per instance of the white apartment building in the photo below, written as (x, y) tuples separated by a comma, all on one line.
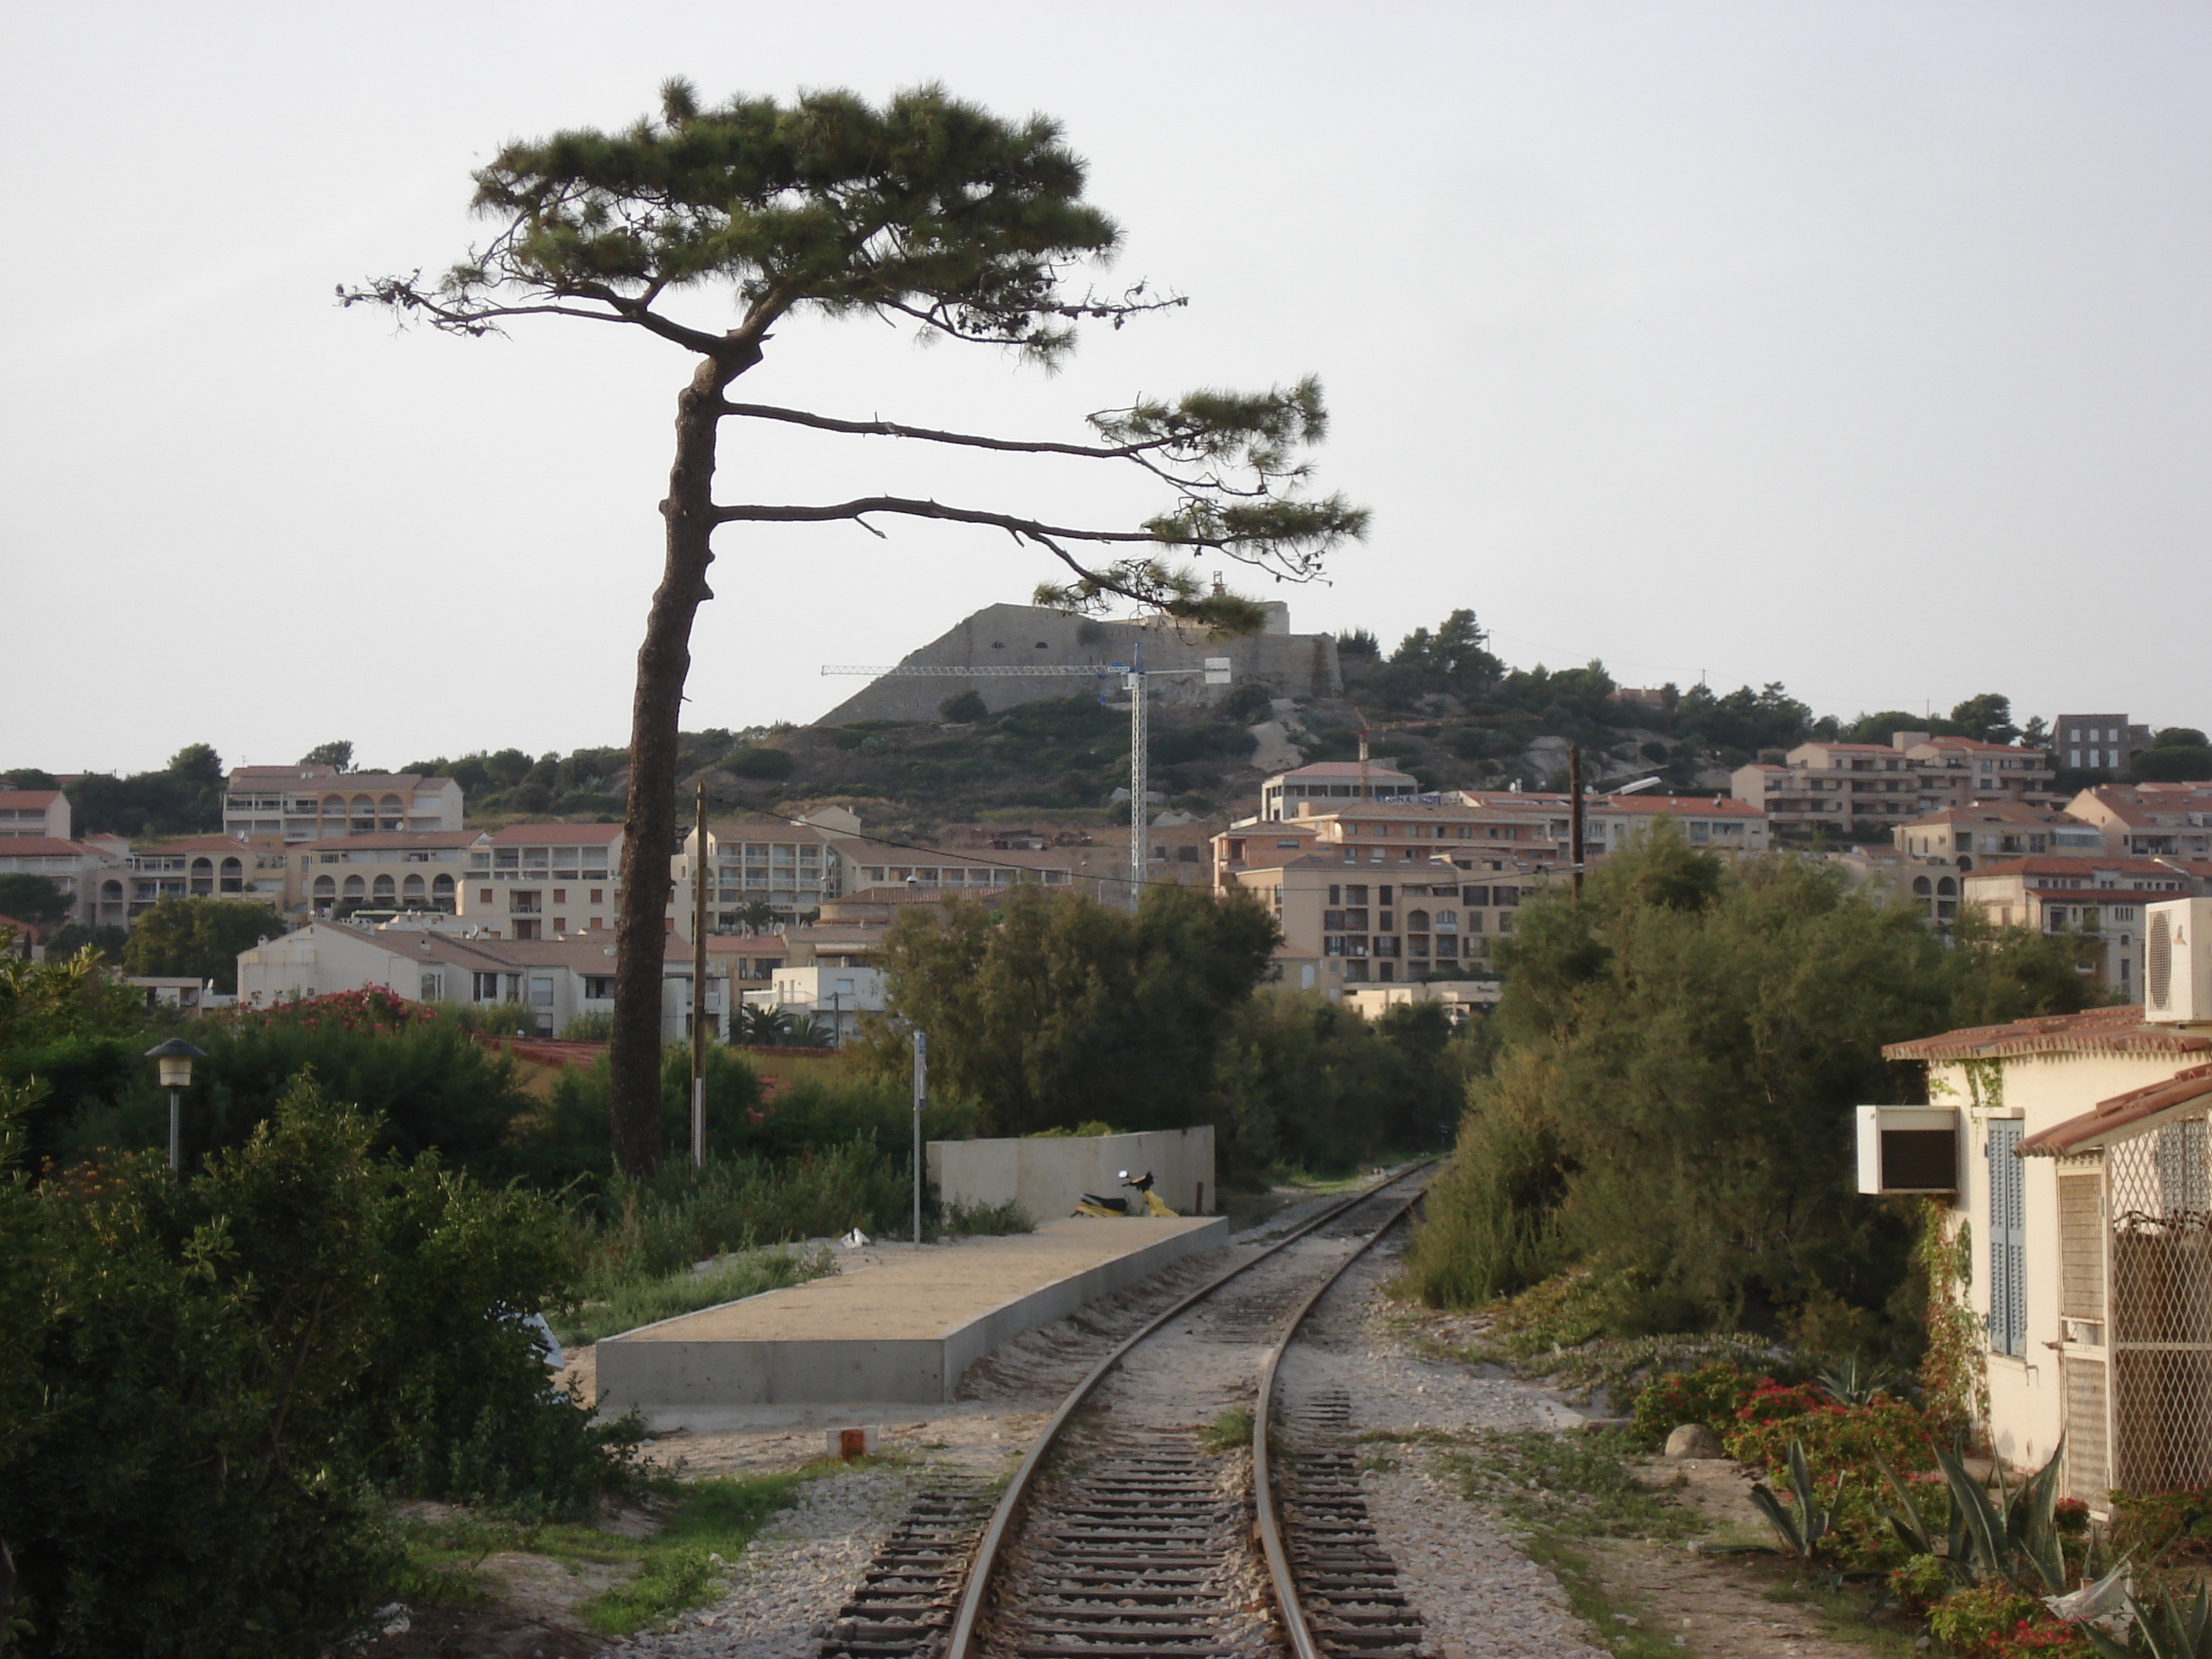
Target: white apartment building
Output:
[(554, 979), (1327, 785), (531, 881), (1852, 787), (44, 813), (836, 996), (320, 803), (2100, 901)]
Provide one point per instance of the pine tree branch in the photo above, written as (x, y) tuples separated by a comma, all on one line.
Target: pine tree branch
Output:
[(1032, 529)]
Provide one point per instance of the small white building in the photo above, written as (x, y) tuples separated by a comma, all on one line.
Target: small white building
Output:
[(836, 996), (2071, 1160)]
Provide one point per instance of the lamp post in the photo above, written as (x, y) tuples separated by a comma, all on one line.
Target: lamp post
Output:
[(175, 1059)]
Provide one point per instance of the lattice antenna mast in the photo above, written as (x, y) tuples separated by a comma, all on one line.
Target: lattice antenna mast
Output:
[(1134, 675)]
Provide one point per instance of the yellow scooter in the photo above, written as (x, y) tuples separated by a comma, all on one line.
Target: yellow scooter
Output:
[(1092, 1204)]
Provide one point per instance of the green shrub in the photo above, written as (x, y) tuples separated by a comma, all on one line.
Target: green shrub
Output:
[(1920, 1583), (1843, 1440), (1973, 1621), (593, 1027), (2151, 1523), (768, 764), (1711, 1395)]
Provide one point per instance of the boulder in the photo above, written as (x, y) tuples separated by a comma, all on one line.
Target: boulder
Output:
[(1694, 1440)]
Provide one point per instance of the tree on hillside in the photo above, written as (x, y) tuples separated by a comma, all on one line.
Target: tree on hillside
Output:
[(1052, 1010), (925, 209), (33, 898), (338, 754), (1455, 658), (1743, 719), (1986, 718), (198, 939)]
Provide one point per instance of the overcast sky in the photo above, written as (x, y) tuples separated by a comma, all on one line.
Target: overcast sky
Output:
[(1860, 346)]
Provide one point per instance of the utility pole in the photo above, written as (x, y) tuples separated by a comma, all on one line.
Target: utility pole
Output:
[(1134, 675), (1575, 820), (699, 982), (1139, 779), (921, 1097)]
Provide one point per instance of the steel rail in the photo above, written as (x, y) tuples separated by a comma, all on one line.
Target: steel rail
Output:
[(1270, 1528), (963, 1634)]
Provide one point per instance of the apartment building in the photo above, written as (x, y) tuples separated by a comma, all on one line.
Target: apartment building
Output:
[(545, 881), (320, 803), (390, 870), (2149, 820), (1956, 836), (2100, 900), (78, 868), (792, 868), (44, 813), (2098, 742), (553, 979), (835, 997), (1851, 788), (1328, 784)]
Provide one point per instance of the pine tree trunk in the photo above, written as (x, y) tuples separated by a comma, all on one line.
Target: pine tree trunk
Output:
[(649, 822)]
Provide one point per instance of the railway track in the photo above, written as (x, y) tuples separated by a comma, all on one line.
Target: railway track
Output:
[(1121, 1536)]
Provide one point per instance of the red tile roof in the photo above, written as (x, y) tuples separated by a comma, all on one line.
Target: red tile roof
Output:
[(2085, 865), (2119, 1029), (1727, 806), (20, 798), (2133, 1112), (46, 847)]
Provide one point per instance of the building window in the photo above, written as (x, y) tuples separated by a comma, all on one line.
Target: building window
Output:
[(2008, 1241), (484, 895), (560, 924), (484, 987)]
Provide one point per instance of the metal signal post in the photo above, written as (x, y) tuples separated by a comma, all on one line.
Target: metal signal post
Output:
[(1134, 675)]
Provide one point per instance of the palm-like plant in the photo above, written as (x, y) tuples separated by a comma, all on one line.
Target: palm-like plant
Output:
[(1800, 1533), (766, 1027), (2014, 1538), (808, 1032)]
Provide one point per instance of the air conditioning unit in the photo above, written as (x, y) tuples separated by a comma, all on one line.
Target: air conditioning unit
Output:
[(2178, 962), (1908, 1149)]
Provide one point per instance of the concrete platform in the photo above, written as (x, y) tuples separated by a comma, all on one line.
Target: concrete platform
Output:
[(900, 1331)]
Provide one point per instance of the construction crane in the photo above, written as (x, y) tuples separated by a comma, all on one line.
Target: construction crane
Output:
[(1388, 725), (1134, 675)]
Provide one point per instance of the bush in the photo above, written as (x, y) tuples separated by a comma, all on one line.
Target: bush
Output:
[(963, 709), (1920, 1583), (764, 763), (1839, 1440), (1993, 1621), (226, 1362), (1711, 1395), (597, 1027), (2151, 1523)]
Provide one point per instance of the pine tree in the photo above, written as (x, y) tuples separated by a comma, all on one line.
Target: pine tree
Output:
[(925, 209)]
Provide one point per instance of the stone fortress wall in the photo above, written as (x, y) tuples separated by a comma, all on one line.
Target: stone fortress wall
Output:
[(1302, 666)]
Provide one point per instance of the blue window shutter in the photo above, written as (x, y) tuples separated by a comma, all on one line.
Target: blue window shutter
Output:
[(2008, 1241)]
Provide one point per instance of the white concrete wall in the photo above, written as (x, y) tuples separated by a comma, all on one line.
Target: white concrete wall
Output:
[(1047, 1175)]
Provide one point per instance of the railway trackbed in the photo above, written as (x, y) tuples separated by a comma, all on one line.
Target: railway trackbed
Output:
[(1122, 1535)]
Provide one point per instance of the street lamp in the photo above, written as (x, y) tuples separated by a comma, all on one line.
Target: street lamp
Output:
[(175, 1058)]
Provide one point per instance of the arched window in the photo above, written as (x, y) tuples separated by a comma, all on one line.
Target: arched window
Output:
[(327, 892), (1417, 921), (441, 887), (412, 890), (1920, 885), (334, 808), (354, 889), (111, 889), (391, 813), (233, 876), (1946, 887), (203, 876), (386, 890)]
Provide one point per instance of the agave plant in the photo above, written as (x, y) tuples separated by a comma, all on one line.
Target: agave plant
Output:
[(2171, 1630), (1854, 1382), (1799, 1533), (2014, 1538)]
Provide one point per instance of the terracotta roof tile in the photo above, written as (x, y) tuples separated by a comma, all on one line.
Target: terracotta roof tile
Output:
[(2122, 1116), (2117, 1029)]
